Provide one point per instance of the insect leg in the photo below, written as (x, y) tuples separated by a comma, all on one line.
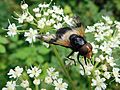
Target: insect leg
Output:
[(85, 60), (80, 62), (70, 54), (71, 58), (91, 62)]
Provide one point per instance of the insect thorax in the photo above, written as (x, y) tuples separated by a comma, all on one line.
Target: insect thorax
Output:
[(76, 42)]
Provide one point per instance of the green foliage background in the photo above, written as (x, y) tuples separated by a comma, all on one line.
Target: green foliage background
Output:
[(17, 52)]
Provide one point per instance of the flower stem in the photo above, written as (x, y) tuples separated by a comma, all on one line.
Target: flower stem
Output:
[(20, 31), (63, 67), (36, 87), (90, 81)]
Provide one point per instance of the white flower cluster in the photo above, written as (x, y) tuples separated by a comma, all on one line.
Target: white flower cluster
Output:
[(15, 73), (102, 65), (45, 18), (107, 37), (10, 85), (53, 79), (34, 72)]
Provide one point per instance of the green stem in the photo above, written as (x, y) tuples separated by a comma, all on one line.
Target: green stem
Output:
[(90, 81), (36, 87), (63, 67), (20, 31)]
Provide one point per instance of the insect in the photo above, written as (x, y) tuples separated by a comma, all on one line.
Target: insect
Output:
[(73, 38)]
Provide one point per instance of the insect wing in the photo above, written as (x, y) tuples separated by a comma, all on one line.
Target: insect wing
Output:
[(62, 35)]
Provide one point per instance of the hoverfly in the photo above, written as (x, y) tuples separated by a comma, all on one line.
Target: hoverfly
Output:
[(73, 38)]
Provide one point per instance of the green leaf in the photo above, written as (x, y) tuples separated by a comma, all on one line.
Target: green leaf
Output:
[(2, 49), (3, 40), (67, 9), (40, 58), (43, 50), (14, 39), (3, 66), (25, 52), (12, 46)]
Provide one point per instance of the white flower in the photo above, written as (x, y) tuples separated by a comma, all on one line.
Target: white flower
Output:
[(50, 11), (34, 72), (25, 84), (97, 72), (69, 62), (16, 72), (43, 5), (31, 35), (46, 44), (110, 60), (108, 32), (102, 57), (106, 75), (36, 10), (24, 6), (97, 59), (43, 89), (20, 20), (115, 42), (117, 79), (48, 80), (48, 22), (10, 85), (36, 81), (107, 19), (12, 30), (105, 47), (43, 19), (41, 24), (51, 72), (68, 20), (28, 89), (57, 10), (95, 48), (59, 18), (116, 74), (22, 17), (29, 18), (117, 25), (54, 15), (88, 69), (46, 13), (38, 15), (59, 85), (52, 21), (99, 83), (90, 29), (100, 24), (99, 37), (57, 26), (104, 67)]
